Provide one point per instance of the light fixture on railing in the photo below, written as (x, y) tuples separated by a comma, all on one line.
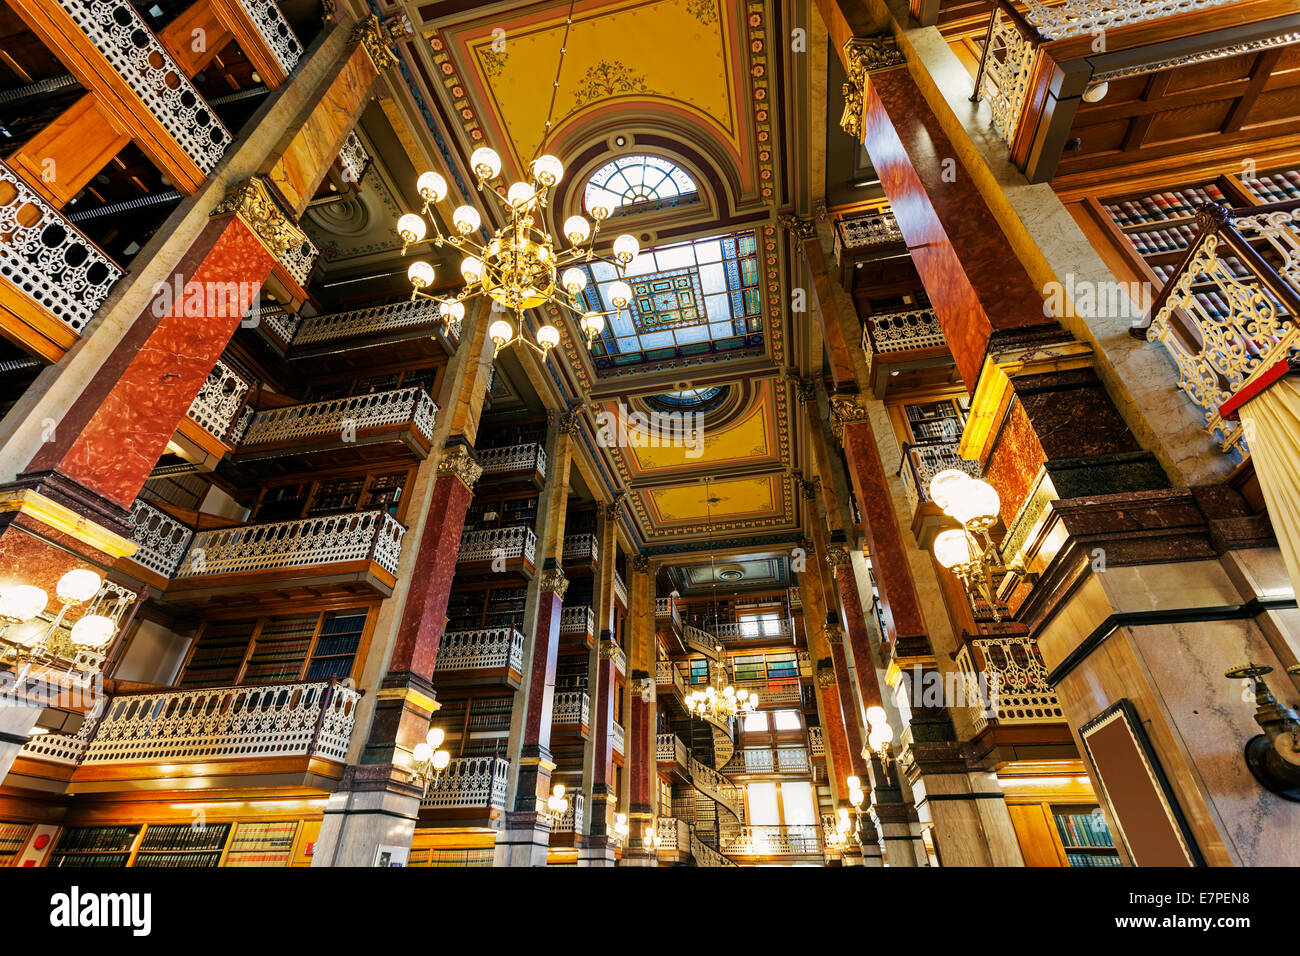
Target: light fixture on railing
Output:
[(427, 761), (28, 638), (720, 700), (621, 827), (879, 733), (970, 553), (557, 804), (518, 267), (846, 828), (652, 840)]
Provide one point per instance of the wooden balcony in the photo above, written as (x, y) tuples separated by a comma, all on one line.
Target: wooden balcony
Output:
[(217, 417), (816, 742), (577, 626), (669, 683), (566, 830), (1011, 704), (672, 757), (268, 735), (752, 632), (487, 657), (766, 842), (52, 278), (667, 613), (328, 342), (865, 234), (919, 465), (352, 551), (571, 713), (498, 549), (620, 591), (581, 554), (773, 692), (790, 761), (618, 739), (471, 792), (514, 465), (901, 339)]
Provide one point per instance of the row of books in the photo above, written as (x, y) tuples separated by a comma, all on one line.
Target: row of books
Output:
[(12, 837), (185, 836), (1092, 859), (1158, 241), (179, 861), (1083, 829), (1231, 263), (91, 860), (1277, 187), (1159, 207), (76, 839)]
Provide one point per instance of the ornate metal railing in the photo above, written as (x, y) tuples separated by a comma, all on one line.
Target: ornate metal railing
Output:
[(922, 462), (470, 783), (1003, 80), (618, 738), (673, 834), (270, 720), (666, 610), (1006, 681), (1079, 17), (700, 640), (796, 602), (902, 331), (134, 52), (578, 619), (481, 649), (354, 158), (299, 260), (275, 30), (517, 541), (771, 840), (816, 742), (161, 541), (670, 749), (217, 406), (580, 547), (571, 707), (778, 690), (716, 787), (343, 416), (620, 588), (865, 231), (500, 461), (667, 673), (65, 748), (359, 536), (570, 821), (751, 630), (1228, 311), (706, 855), (376, 320), (48, 258)]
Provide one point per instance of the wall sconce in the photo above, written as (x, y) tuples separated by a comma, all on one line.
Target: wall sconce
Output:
[(21, 605), (1273, 756), (970, 553), (428, 762), (557, 805)]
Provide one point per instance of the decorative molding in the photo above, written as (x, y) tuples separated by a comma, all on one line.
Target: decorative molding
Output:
[(554, 582), (609, 650), (810, 488), (458, 461), (614, 509), (833, 633), (825, 673), (838, 557), (845, 410), (801, 229), (377, 38), (251, 201), (641, 563), (864, 56), (570, 423)]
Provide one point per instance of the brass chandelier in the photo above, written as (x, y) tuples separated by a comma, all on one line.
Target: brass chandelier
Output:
[(517, 267), (720, 700)]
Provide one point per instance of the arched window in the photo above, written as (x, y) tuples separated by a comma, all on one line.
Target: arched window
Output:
[(634, 180)]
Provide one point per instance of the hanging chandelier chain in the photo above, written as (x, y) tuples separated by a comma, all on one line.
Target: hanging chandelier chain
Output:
[(555, 87)]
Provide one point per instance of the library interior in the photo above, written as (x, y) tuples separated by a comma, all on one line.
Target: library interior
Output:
[(673, 433)]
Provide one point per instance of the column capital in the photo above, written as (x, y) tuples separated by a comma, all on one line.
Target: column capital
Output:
[(802, 229), (569, 423), (378, 41), (833, 633), (554, 582), (838, 557), (810, 487), (614, 508), (825, 673), (252, 202), (641, 563), (862, 57), (845, 410), (458, 461)]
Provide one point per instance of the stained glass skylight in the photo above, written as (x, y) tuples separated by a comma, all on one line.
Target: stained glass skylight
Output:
[(688, 298), (630, 180)]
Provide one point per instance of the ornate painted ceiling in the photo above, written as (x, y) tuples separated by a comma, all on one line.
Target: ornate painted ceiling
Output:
[(698, 85)]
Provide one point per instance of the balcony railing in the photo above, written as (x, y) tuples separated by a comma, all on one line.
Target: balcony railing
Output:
[(354, 158), (731, 631), (571, 820), (578, 619), (1228, 311), (271, 720), (522, 458), (217, 406), (614, 653), (771, 840), (618, 739), (580, 547), (620, 588), (706, 855), (45, 256), (906, 330), (701, 641), (571, 707), (343, 416), (717, 787), (1006, 681), (816, 743), (134, 52), (922, 462), (517, 541), (275, 31), (770, 760), (670, 749), (667, 673), (366, 535), (470, 783), (773, 690), (673, 834), (360, 323), (483, 649), (865, 231), (666, 610), (796, 602), (161, 541)]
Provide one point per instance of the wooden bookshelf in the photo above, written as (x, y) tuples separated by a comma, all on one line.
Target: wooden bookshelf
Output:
[(182, 846), (13, 836), (262, 844), (97, 847)]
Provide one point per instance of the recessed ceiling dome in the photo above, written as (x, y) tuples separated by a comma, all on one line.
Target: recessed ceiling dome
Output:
[(731, 572)]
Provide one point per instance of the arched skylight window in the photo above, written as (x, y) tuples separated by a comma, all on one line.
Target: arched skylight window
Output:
[(632, 180)]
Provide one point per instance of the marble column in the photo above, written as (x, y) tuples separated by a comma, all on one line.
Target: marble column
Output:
[(598, 755), (641, 767)]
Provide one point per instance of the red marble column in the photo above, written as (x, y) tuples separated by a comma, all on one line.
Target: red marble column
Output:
[(848, 707), (406, 703), (836, 739), (112, 437), (602, 718), (541, 679), (855, 628)]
